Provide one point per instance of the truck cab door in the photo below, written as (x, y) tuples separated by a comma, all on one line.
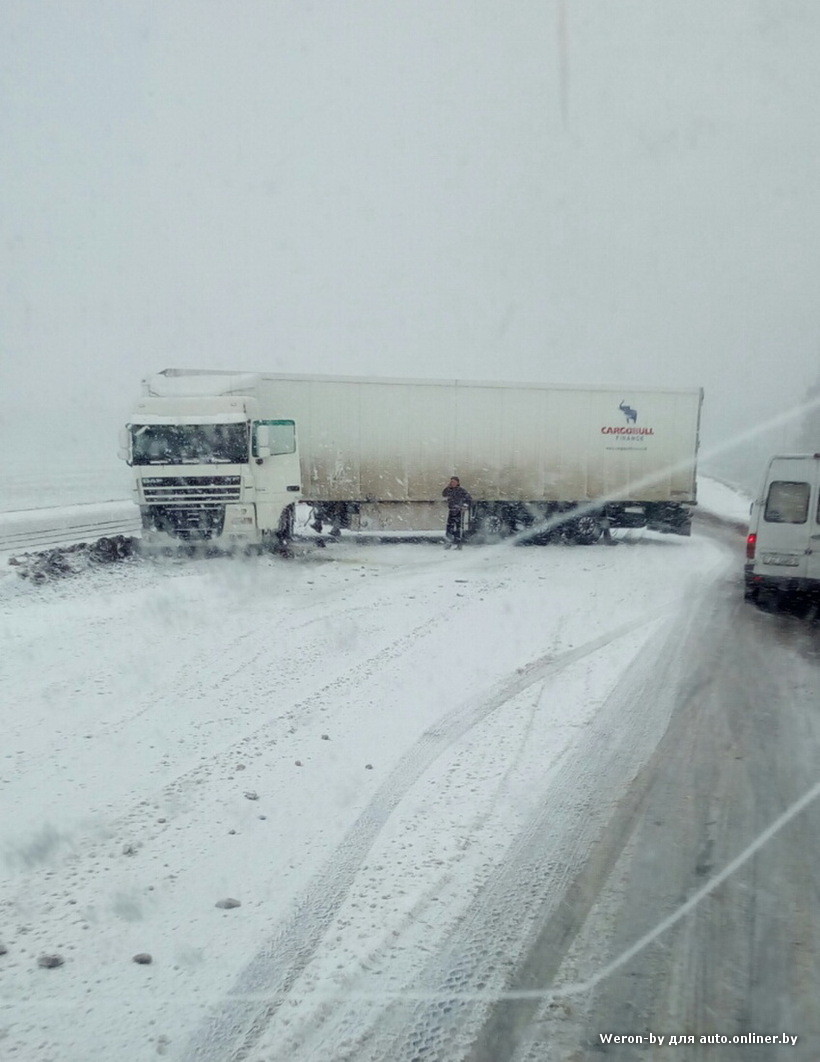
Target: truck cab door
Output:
[(275, 469)]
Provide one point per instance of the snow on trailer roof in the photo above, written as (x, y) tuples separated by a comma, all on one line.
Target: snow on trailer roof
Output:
[(181, 382)]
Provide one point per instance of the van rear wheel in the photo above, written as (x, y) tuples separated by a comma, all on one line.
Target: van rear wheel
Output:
[(768, 599)]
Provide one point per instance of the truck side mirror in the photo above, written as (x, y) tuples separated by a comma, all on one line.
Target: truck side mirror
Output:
[(124, 447), (262, 440)]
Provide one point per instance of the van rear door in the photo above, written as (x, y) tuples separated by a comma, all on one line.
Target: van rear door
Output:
[(813, 556), (787, 516)]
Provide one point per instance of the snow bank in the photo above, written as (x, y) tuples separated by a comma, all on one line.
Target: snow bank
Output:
[(722, 500), (35, 529)]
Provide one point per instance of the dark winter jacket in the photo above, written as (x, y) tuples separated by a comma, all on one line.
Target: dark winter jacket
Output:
[(457, 498)]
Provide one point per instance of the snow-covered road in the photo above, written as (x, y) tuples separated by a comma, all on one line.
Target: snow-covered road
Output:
[(353, 745)]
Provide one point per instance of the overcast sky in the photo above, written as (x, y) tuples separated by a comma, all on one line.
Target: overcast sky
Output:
[(621, 192)]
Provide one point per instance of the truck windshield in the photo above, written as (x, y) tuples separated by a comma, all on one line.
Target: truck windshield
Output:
[(189, 444)]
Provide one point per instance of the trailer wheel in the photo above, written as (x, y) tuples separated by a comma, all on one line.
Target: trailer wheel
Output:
[(486, 524), (539, 538), (585, 530)]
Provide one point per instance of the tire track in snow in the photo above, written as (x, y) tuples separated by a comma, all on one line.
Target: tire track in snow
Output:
[(189, 750), (175, 799), (249, 665), (231, 1032), (537, 898)]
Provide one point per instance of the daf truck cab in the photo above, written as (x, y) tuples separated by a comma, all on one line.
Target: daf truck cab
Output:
[(210, 469), (783, 546)]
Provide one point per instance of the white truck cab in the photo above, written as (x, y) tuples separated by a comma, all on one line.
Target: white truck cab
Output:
[(783, 546), (212, 469)]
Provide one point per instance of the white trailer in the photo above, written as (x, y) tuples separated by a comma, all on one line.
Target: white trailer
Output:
[(224, 456)]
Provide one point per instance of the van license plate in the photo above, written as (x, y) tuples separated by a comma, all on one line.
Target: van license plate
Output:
[(788, 560)]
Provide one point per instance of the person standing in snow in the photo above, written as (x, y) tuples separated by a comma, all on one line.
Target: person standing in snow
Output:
[(458, 500)]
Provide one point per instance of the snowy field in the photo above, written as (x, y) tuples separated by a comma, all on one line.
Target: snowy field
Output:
[(58, 480), (351, 744)]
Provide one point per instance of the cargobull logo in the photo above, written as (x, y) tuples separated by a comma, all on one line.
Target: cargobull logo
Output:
[(630, 431)]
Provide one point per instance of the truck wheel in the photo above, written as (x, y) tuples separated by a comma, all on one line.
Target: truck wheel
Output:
[(284, 532)]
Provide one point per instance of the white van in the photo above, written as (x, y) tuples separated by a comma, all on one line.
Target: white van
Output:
[(783, 547)]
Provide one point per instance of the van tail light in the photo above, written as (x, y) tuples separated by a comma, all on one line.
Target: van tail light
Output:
[(751, 542)]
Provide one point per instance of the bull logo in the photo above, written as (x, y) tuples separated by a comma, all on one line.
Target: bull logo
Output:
[(630, 413)]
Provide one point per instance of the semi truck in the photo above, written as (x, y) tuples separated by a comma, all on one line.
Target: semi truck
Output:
[(223, 457)]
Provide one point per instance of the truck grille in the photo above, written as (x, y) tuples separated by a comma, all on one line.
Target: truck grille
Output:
[(197, 491)]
